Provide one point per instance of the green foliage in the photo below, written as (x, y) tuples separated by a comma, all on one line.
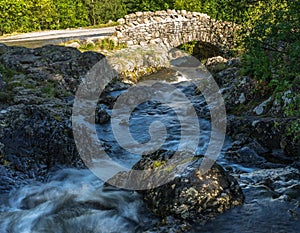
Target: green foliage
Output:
[(148, 5), (271, 43), (101, 11), (7, 94), (7, 73), (219, 9), (109, 45), (228, 10), (294, 129), (188, 47), (158, 163), (191, 5), (15, 15), (99, 45), (42, 14), (51, 89), (69, 14), (3, 160), (25, 16), (5, 97)]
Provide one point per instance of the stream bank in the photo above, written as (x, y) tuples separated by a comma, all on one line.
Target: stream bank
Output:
[(37, 92)]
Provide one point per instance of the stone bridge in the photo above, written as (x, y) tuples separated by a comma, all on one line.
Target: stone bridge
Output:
[(174, 28)]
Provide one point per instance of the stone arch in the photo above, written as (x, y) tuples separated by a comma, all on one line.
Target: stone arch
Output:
[(173, 28)]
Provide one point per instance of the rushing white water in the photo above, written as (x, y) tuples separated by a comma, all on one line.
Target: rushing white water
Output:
[(73, 201)]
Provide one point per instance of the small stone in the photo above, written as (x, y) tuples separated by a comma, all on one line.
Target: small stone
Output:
[(2, 83), (130, 43), (143, 43), (73, 45), (139, 14), (242, 98), (169, 11), (121, 21), (260, 109), (119, 34), (102, 117), (89, 41)]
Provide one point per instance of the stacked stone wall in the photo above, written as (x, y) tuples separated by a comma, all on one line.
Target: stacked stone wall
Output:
[(174, 28)]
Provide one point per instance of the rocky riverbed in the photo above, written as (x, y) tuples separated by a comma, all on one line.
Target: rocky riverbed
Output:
[(37, 88)]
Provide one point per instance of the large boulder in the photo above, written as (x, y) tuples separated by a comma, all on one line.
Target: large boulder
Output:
[(190, 196)]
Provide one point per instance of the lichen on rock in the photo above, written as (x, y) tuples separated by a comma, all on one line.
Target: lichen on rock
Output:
[(190, 196)]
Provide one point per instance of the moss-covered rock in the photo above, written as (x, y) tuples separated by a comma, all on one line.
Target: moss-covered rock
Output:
[(192, 195)]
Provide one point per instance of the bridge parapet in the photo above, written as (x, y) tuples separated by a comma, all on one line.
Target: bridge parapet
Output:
[(174, 28)]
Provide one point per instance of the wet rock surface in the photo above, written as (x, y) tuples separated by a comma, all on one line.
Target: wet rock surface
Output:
[(280, 182), (50, 63), (190, 196), (269, 132), (254, 115), (193, 196), (36, 97), (271, 204)]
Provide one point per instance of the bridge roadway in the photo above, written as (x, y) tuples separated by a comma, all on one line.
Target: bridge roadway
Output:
[(36, 39)]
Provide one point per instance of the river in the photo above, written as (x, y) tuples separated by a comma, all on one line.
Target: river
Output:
[(75, 201)]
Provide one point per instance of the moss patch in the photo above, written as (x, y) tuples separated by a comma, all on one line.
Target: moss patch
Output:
[(100, 45), (158, 163)]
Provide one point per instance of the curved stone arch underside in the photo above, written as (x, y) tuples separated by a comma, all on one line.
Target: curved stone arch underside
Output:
[(173, 28)]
